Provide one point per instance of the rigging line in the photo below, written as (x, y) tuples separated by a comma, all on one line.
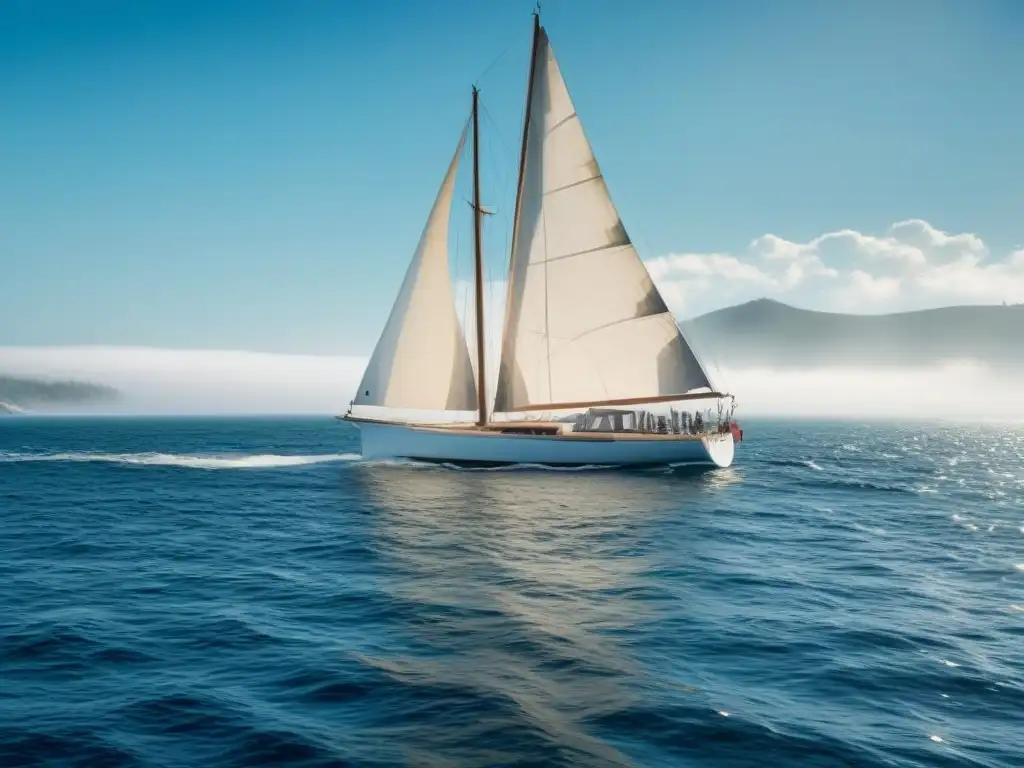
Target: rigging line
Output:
[(490, 67), (490, 154), (500, 177), (501, 138), (500, 164), (494, 160), (497, 130), (497, 161), (512, 162)]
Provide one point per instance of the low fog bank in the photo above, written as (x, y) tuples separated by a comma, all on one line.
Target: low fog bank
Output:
[(171, 381), (964, 390), (159, 381)]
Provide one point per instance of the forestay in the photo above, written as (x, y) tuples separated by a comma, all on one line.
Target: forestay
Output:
[(584, 323), (421, 360)]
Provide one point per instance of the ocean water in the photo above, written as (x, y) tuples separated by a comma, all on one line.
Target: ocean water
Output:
[(241, 592)]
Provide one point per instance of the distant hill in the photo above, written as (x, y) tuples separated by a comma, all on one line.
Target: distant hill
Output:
[(21, 392), (769, 333)]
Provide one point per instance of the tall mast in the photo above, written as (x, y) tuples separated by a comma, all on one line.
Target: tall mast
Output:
[(481, 390), (526, 129)]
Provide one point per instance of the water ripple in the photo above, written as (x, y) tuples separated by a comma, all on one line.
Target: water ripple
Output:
[(247, 592)]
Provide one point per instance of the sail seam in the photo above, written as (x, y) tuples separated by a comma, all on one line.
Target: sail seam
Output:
[(581, 253), (612, 324), (559, 124), (570, 186)]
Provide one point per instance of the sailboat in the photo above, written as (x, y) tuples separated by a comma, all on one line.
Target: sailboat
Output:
[(587, 343)]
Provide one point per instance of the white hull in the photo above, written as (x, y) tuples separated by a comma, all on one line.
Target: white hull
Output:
[(381, 440)]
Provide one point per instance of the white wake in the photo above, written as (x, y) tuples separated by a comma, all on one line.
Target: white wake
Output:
[(223, 461)]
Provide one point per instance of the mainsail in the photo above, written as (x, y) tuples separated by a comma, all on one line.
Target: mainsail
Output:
[(421, 360), (584, 323)]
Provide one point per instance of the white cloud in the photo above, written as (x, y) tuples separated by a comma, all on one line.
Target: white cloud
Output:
[(876, 290), (912, 266)]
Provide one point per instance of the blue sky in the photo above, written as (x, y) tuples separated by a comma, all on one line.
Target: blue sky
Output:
[(255, 175)]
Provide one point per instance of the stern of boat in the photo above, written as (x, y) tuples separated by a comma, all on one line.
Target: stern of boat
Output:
[(721, 448)]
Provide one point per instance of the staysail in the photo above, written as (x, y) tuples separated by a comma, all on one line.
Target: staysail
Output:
[(421, 360), (584, 323)]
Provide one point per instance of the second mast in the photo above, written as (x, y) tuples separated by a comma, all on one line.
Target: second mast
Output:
[(481, 389)]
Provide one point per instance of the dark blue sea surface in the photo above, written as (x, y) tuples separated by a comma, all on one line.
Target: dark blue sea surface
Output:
[(241, 592)]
